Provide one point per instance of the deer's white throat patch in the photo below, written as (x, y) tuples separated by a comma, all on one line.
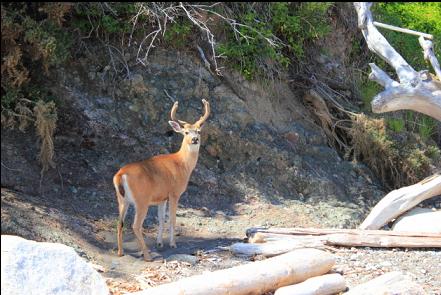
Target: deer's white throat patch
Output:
[(193, 148)]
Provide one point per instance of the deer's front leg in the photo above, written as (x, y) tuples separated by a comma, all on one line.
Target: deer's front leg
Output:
[(173, 205), (161, 218)]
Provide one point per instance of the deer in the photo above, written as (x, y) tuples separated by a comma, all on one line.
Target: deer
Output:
[(156, 180)]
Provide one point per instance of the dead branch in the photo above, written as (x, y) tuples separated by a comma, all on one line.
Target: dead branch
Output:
[(399, 201), (416, 90)]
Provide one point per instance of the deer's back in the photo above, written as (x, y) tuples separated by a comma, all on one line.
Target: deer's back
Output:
[(155, 179)]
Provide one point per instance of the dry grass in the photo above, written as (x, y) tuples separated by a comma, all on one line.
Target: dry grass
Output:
[(45, 122)]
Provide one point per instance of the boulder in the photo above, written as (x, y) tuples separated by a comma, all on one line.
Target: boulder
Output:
[(419, 219), (29, 267)]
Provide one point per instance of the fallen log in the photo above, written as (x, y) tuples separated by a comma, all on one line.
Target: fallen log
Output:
[(401, 200), (253, 278), (277, 247), (274, 244), (274, 241), (382, 241), (274, 231), (389, 283), (321, 285)]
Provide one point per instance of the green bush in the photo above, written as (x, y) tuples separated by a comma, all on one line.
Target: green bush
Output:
[(294, 24), (178, 33)]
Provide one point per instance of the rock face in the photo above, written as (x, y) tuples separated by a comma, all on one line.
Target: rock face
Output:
[(419, 220), (29, 267), (257, 142)]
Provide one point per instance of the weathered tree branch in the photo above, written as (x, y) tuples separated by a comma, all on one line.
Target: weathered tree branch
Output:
[(399, 201), (379, 45), (416, 90), (429, 55)]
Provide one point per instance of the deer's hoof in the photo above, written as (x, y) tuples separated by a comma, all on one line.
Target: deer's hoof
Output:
[(147, 257)]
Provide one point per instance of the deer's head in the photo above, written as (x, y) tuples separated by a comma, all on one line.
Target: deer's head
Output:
[(191, 132)]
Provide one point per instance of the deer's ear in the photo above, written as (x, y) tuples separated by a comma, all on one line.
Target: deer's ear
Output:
[(176, 127)]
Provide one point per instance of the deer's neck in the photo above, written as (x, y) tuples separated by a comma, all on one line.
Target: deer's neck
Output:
[(189, 153)]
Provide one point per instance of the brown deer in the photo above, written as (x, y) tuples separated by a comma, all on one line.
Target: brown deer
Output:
[(155, 180)]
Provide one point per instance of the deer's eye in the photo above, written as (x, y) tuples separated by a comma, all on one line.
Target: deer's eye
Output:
[(199, 131), (186, 132)]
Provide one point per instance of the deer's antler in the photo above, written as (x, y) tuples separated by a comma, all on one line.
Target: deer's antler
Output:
[(173, 114), (206, 114)]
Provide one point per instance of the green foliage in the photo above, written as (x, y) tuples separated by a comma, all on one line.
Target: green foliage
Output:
[(420, 16), (397, 125), (294, 24), (115, 19), (426, 127), (178, 33), (368, 89)]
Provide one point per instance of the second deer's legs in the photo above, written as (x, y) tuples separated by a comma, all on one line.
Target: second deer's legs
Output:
[(161, 218), (173, 205)]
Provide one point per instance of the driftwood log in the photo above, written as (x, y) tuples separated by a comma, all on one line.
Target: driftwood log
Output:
[(399, 201), (253, 278), (321, 285), (253, 231), (274, 241), (416, 91), (389, 283)]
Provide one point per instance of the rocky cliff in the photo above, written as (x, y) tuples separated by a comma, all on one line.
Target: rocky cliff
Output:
[(259, 141)]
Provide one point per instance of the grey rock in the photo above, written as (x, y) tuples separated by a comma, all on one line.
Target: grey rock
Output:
[(29, 267), (183, 258)]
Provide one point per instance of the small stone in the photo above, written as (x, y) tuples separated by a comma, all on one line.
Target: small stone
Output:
[(184, 258)]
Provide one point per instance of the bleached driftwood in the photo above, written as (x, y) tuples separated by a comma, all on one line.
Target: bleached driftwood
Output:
[(407, 31), (422, 219), (276, 247), (272, 232), (253, 278), (274, 241), (429, 55), (415, 90), (321, 285), (389, 283), (399, 201)]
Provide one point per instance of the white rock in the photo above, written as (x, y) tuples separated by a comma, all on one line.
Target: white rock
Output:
[(420, 220), (29, 267)]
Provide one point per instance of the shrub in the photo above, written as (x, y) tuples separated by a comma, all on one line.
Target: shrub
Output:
[(33, 40)]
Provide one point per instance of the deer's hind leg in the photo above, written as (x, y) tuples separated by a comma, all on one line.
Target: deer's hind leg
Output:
[(123, 205), (140, 215)]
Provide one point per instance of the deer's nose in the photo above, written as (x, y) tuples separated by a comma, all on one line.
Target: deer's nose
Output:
[(194, 140)]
